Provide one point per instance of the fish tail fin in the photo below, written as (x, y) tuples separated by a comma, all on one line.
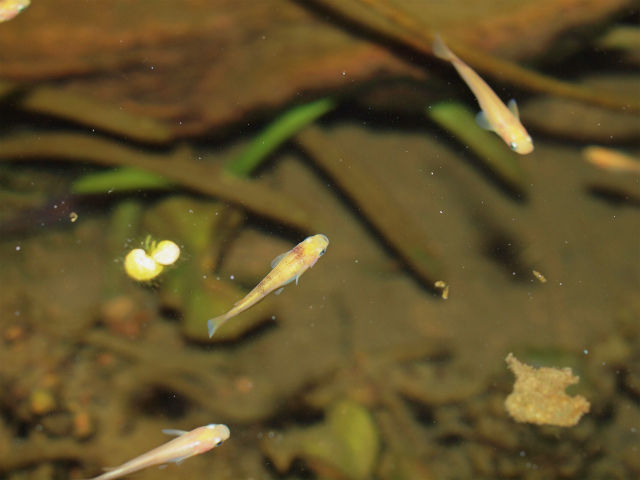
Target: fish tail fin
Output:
[(214, 323), (440, 50)]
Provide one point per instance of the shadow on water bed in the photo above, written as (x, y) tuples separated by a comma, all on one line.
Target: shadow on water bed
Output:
[(361, 371)]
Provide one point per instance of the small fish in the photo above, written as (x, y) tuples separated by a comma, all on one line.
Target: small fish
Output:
[(611, 160), (285, 268), (494, 115), (11, 8), (188, 444)]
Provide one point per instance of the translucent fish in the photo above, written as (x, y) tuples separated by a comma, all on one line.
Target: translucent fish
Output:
[(495, 116), (286, 268), (11, 8), (188, 444)]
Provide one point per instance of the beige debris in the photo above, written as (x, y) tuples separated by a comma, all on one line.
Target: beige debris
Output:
[(444, 286), (539, 395)]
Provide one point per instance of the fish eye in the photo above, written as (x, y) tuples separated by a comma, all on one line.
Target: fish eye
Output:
[(322, 252), (218, 443), (513, 145)]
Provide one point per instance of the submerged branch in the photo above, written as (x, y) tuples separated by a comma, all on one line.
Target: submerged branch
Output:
[(379, 209), (398, 27), (175, 166)]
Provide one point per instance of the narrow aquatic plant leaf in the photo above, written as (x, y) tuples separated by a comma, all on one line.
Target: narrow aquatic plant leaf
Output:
[(460, 121), (276, 133), (123, 224), (196, 176), (123, 179), (621, 37)]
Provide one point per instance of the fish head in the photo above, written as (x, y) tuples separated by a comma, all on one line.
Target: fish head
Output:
[(315, 246), (216, 433), (520, 142)]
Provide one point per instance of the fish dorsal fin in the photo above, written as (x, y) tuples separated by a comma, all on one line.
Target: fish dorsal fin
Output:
[(174, 432), (276, 260), (481, 120), (513, 106)]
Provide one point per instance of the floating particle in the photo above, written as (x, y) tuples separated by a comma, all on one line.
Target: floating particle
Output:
[(73, 216), (444, 286), (541, 278), (165, 252), (539, 395)]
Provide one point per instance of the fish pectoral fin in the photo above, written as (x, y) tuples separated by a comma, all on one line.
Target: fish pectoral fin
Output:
[(513, 106), (481, 120), (177, 461), (174, 432), (289, 280), (276, 260), (278, 291)]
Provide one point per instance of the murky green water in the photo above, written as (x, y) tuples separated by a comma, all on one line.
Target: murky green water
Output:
[(361, 370)]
